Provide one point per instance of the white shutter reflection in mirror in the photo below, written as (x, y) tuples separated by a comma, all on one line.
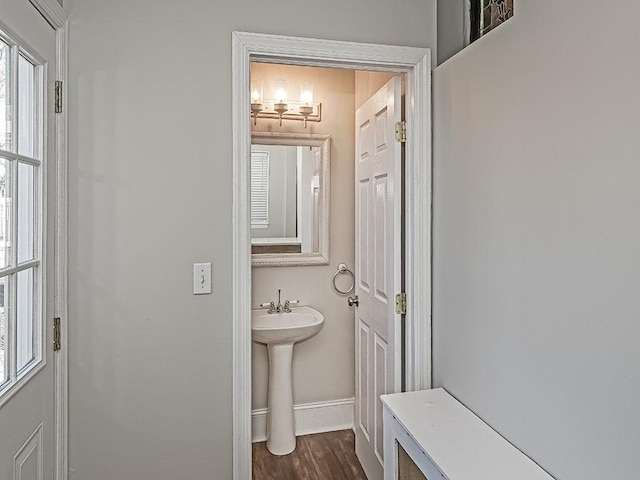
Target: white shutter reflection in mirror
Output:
[(259, 189)]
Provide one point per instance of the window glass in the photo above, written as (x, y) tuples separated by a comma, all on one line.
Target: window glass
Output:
[(4, 339), (5, 212), (26, 211), (25, 318), (26, 107), (21, 140), (5, 96)]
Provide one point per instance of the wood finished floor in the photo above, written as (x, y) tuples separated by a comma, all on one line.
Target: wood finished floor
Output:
[(324, 456)]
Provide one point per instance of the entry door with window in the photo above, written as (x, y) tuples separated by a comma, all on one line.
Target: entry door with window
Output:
[(378, 267), (27, 59)]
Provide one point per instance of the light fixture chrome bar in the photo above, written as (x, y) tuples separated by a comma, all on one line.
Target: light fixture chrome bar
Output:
[(311, 112)]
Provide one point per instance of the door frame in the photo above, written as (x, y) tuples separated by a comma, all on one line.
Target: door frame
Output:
[(59, 20), (416, 64)]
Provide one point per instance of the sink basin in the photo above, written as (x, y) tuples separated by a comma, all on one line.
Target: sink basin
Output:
[(282, 328), (280, 331)]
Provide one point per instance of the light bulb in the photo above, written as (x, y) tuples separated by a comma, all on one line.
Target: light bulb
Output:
[(306, 97), (306, 93), (255, 96), (281, 96)]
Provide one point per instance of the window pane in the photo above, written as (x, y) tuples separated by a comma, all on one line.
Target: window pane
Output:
[(5, 212), (26, 107), (26, 211), (25, 318), (5, 96), (4, 331)]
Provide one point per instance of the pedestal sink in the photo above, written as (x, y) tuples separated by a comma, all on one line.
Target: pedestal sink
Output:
[(279, 331)]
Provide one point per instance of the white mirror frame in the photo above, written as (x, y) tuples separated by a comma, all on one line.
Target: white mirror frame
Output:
[(302, 140)]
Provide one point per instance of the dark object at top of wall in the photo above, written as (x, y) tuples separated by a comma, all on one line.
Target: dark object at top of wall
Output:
[(486, 15)]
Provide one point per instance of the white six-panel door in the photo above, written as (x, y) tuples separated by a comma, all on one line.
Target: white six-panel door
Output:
[(378, 269), (26, 268)]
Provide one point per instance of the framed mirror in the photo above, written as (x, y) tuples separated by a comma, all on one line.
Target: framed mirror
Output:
[(290, 199)]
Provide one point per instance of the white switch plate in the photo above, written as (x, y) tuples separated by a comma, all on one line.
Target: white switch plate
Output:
[(201, 278)]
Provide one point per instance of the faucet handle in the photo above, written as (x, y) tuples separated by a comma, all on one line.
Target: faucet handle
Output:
[(271, 306), (288, 303)]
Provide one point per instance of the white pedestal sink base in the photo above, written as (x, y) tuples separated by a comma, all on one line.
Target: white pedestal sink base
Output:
[(281, 436), (279, 331)]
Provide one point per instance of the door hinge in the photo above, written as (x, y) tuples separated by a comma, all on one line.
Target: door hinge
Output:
[(401, 303), (58, 104), (401, 131), (56, 334)]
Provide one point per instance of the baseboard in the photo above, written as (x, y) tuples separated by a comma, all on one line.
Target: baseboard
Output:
[(309, 418)]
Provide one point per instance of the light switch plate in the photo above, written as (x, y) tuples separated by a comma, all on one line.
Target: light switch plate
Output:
[(201, 278)]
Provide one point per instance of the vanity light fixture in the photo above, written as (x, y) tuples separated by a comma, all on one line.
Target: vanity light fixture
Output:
[(280, 105), (306, 97), (256, 101), (281, 108)]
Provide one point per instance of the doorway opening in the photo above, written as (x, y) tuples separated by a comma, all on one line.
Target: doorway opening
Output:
[(308, 210), (414, 64)]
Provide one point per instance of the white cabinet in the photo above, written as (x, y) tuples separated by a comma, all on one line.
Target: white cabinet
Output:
[(446, 440)]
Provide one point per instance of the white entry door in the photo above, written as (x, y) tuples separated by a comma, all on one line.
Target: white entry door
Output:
[(378, 269), (27, 76)]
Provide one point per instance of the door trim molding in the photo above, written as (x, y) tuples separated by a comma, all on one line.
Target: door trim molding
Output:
[(61, 264), (416, 64), (52, 12), (59, 20)]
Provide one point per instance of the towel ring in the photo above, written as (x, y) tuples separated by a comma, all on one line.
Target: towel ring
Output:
[(342, 269)]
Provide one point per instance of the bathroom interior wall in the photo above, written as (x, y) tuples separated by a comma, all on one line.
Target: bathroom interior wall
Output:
[(150, 179), (536, 234), (368, 83), (323, 366)]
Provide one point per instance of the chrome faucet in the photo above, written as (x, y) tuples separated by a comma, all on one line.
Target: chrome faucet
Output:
[(287, 305), (271, 305), (279, 307)]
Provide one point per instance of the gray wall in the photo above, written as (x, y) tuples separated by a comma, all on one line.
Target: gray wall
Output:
[(150, 194), (537, 234), (452, 27)]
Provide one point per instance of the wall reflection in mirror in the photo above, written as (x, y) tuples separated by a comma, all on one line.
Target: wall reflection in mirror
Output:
[(289, 199)]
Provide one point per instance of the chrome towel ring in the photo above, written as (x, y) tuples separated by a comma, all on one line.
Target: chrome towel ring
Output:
[(343, 269)]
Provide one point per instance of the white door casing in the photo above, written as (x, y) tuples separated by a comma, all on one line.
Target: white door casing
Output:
[(28, 426), (415, 63), (378, 269)]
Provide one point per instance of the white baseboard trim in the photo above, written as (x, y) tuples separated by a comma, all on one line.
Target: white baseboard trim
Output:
[(318, 417)]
